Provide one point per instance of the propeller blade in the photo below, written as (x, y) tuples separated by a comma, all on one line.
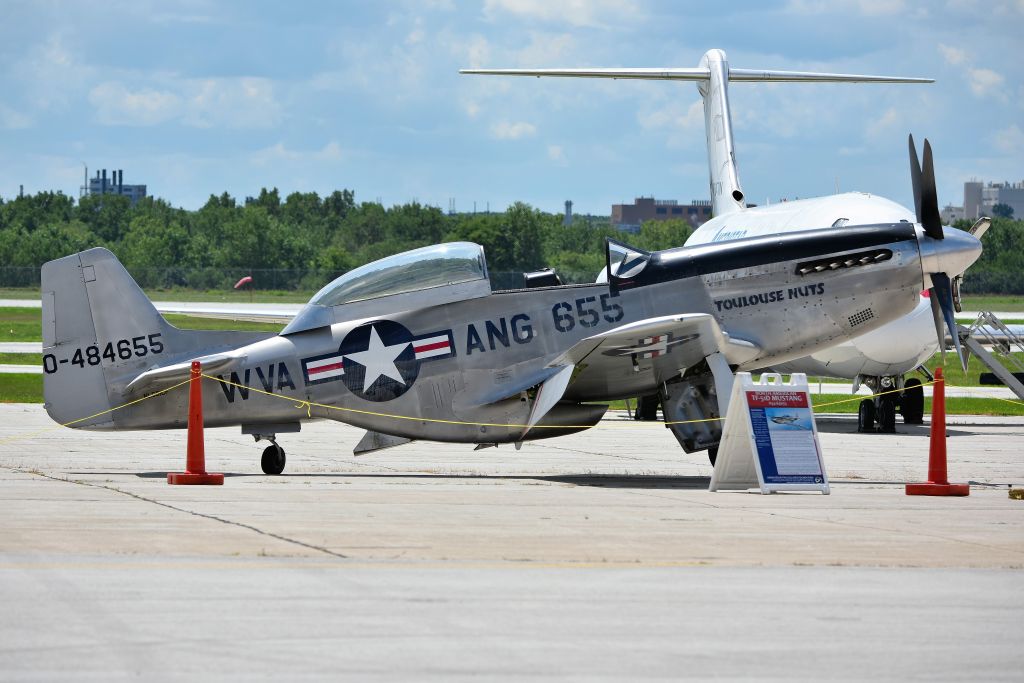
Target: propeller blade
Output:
[(929, 216), (940, 333), (915, 177), (981, 226), (942, 291)]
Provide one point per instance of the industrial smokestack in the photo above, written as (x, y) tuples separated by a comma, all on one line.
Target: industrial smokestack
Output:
[(120, 180), (103, 183)]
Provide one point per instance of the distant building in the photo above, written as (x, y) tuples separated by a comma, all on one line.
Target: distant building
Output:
[(629, 217), (979, 199), (115, 185), (567, 218), (951, 214)]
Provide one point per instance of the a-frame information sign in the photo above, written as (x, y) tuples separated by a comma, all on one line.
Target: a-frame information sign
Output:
[(770, 439)]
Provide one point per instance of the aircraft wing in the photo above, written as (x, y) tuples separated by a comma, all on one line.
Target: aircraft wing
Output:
[(673, 342), (634, 358)]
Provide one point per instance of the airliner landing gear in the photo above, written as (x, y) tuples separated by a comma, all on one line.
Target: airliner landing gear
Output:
[(878, 414), (912, 402), (866, 416), (886, 414)]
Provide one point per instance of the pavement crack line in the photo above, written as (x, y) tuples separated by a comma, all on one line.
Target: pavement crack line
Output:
[(204, 515)]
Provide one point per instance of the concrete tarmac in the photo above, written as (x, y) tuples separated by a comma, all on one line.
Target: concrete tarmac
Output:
[(594, 556)]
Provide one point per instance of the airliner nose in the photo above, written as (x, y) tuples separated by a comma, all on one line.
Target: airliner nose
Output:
[(952, 255)]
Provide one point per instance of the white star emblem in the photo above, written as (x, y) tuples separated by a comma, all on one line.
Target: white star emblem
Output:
[(379, 360)]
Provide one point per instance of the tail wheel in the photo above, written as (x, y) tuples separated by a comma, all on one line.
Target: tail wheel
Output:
[(866, 416), (912, 402), (273, 459)]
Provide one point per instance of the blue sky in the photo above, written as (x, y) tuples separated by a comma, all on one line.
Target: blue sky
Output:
[(197, 97)]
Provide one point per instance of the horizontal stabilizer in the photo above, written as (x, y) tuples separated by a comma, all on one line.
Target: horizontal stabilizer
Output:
[(167, 375), (699, 74)]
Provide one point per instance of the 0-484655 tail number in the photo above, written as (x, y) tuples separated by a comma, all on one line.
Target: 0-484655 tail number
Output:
[(94, 354)]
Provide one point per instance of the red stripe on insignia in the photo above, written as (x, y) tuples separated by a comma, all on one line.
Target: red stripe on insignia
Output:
[(431, 347), (325, 368)]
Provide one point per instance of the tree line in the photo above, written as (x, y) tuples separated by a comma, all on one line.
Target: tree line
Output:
[(304, 240)]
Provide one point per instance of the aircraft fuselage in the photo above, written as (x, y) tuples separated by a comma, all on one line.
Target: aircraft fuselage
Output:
[(434, 373)]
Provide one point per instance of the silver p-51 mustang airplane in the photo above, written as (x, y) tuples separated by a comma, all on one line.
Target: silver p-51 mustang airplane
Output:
[(418, 345)]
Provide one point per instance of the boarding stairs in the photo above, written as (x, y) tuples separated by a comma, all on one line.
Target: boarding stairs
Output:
[(989, 331)]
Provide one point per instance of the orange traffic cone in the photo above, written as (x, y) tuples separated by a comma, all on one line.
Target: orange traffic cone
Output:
[(195, 460), (937, 484)]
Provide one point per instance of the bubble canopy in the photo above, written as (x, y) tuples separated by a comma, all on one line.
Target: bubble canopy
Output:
[(410, 271), (432, 275)]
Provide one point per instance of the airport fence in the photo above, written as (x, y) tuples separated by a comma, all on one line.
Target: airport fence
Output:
[(274, 279), (310, 280)]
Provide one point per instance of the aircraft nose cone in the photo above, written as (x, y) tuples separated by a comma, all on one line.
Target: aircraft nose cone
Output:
[(952, 255)]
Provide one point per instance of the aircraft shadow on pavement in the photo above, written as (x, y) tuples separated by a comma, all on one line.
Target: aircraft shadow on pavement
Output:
[(830, 427), (638, 481)]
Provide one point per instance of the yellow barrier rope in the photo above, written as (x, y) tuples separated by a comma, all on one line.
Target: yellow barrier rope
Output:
[(18, 437), (309, 405)]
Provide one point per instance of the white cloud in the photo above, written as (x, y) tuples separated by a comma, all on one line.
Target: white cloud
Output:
[(472, 109), (868, 8), (52, 75), (1010, 140), (985, 82), (330, 152), (877, 127), (231, 103), (545, 49), (504, 130), (953, 55), (475, 50), (203, 103), (557, 154), (118, 106), (589, 13), (675, 115)]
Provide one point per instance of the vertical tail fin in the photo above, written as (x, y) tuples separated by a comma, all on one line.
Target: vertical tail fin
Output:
[(98, 326), (726, 193), (100, 332)]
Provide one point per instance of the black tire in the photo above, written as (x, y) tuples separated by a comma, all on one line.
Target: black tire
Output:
[(912, 402), (647, 408), (273, 459), (887, 415), (713, 455), (866, 416)]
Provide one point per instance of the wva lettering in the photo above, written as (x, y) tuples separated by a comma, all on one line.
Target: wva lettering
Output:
[(241, 385)]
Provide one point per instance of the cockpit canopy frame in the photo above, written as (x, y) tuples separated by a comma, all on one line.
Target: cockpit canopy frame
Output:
[(429, 276)]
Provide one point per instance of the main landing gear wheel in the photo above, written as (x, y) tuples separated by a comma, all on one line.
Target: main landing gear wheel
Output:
[(273, 459), (647, 408), (887, 415), (912, 402), (866, 416)]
